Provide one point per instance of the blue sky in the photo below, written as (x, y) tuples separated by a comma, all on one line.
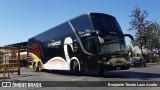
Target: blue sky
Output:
[(23, 19)]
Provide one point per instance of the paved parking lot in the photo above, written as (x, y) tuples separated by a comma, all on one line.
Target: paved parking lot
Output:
[(149, 73)]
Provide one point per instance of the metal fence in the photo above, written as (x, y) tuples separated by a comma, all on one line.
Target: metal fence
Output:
[(9, 61)]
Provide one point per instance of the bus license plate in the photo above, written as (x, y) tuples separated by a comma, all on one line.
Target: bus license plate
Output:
[(118, 68)]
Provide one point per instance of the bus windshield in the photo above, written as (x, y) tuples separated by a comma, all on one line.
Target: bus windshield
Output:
[(113, 46)]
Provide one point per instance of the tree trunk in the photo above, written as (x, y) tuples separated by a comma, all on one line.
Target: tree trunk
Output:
[(141, 50)]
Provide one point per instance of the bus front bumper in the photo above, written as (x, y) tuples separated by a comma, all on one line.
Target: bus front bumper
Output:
[(116, 66)]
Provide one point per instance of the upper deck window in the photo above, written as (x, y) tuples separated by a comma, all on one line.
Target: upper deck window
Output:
[(82, 23), (106, 23)]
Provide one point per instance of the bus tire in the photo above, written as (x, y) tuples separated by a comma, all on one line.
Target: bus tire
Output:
[(76, 68), (39, 67), (35, 67)]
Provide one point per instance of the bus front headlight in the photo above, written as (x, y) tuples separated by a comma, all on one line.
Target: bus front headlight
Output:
[(128, 62)]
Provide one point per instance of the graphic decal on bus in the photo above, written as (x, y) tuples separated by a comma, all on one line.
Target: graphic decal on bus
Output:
[(68, 41), (34, 48), (55, 63), (54, 43), (35, 54), (60, 63)]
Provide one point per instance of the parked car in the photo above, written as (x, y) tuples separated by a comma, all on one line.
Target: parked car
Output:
[(137, 62)]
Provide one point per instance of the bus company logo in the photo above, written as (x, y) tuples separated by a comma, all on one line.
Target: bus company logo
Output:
[(54, 43), (6, 84)]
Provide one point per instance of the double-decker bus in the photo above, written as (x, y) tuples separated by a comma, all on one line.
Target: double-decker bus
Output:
[(91, 42)]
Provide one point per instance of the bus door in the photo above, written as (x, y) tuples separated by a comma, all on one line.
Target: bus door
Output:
[(91, 47)]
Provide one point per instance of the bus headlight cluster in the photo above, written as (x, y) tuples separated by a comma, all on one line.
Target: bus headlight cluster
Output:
[(108, 63), (128, 62)]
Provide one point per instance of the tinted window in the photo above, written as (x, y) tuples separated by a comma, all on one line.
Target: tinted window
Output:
[(61, 30), (82, 23), (106, 23)]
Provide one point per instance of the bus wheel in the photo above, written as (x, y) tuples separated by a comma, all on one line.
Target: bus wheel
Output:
[(34, 67), (76, 68), (39, 67)]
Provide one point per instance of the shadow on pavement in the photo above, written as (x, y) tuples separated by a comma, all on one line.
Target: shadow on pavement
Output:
[(113, 74), (130, 74)]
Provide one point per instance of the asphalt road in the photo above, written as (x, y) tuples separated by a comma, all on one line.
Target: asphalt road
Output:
[(149, 73)]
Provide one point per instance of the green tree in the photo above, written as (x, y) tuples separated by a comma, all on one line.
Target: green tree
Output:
[(137, 24), (152, 36)]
